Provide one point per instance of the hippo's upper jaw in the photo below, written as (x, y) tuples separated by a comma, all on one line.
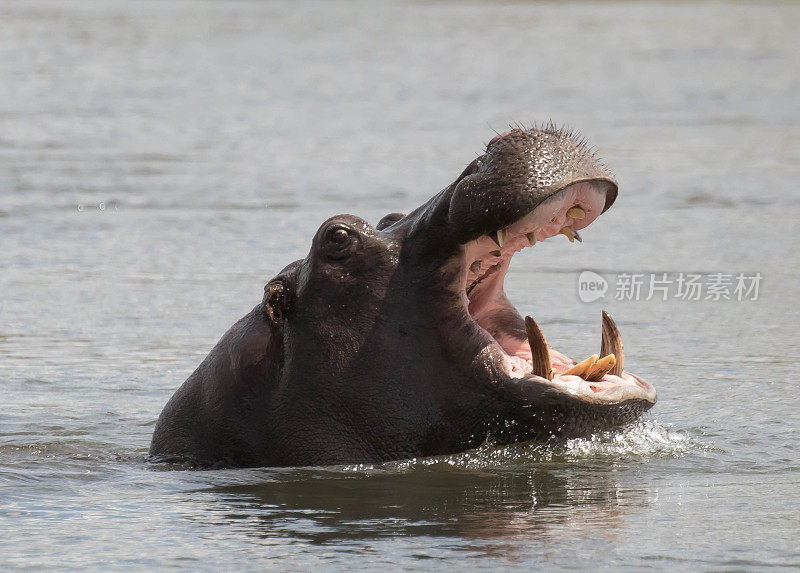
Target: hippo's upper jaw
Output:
[(398, 341)]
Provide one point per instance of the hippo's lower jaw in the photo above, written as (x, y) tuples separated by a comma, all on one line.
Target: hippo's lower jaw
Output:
[(516, 346)]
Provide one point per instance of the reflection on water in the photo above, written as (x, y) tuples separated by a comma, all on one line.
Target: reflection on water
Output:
[(324, 507), (532, 491)]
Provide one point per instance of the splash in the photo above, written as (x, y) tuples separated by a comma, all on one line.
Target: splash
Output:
[(646, 439)]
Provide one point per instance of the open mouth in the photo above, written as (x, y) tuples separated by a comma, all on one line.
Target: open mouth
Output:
[(519, 344)]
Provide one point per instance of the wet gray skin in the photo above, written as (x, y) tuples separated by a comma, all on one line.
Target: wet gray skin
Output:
[(394, 341)]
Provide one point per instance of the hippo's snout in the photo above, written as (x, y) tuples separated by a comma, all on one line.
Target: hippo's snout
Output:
[(519, 171)]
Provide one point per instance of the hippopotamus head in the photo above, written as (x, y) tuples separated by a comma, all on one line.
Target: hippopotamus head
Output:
[(397, 340)]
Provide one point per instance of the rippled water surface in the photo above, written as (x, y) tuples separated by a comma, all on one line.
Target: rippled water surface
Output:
[(159, 161)]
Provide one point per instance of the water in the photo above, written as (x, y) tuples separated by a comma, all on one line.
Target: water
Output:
[(160, 161)]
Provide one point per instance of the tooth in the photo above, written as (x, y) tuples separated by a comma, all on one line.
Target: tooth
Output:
[(569, 233), (576, 213), (531, 237), (581, 368), (540, 355), (499, 237), (612, 344), (475, 267), (600, 368)]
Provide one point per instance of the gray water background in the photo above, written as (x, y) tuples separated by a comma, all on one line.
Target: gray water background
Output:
[(160, 161)]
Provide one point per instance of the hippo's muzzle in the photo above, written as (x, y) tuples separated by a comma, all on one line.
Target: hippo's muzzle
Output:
[(529, 186), (518, 347)]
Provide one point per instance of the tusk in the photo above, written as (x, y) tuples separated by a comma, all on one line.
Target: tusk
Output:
[(612, 344), (540, 355), (531, 237), (568, 233)]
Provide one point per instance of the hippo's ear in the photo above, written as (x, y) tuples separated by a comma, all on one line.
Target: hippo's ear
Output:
[(275, 302), (279, 294), (389, 220)]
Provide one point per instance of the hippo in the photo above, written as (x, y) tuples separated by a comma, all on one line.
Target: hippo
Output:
[(397, 341)]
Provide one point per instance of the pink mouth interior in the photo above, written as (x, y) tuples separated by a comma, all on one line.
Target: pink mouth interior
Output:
[(487, 302)]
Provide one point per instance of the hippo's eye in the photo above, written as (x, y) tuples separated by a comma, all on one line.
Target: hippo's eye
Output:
[(339, 241), (339, 236)]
